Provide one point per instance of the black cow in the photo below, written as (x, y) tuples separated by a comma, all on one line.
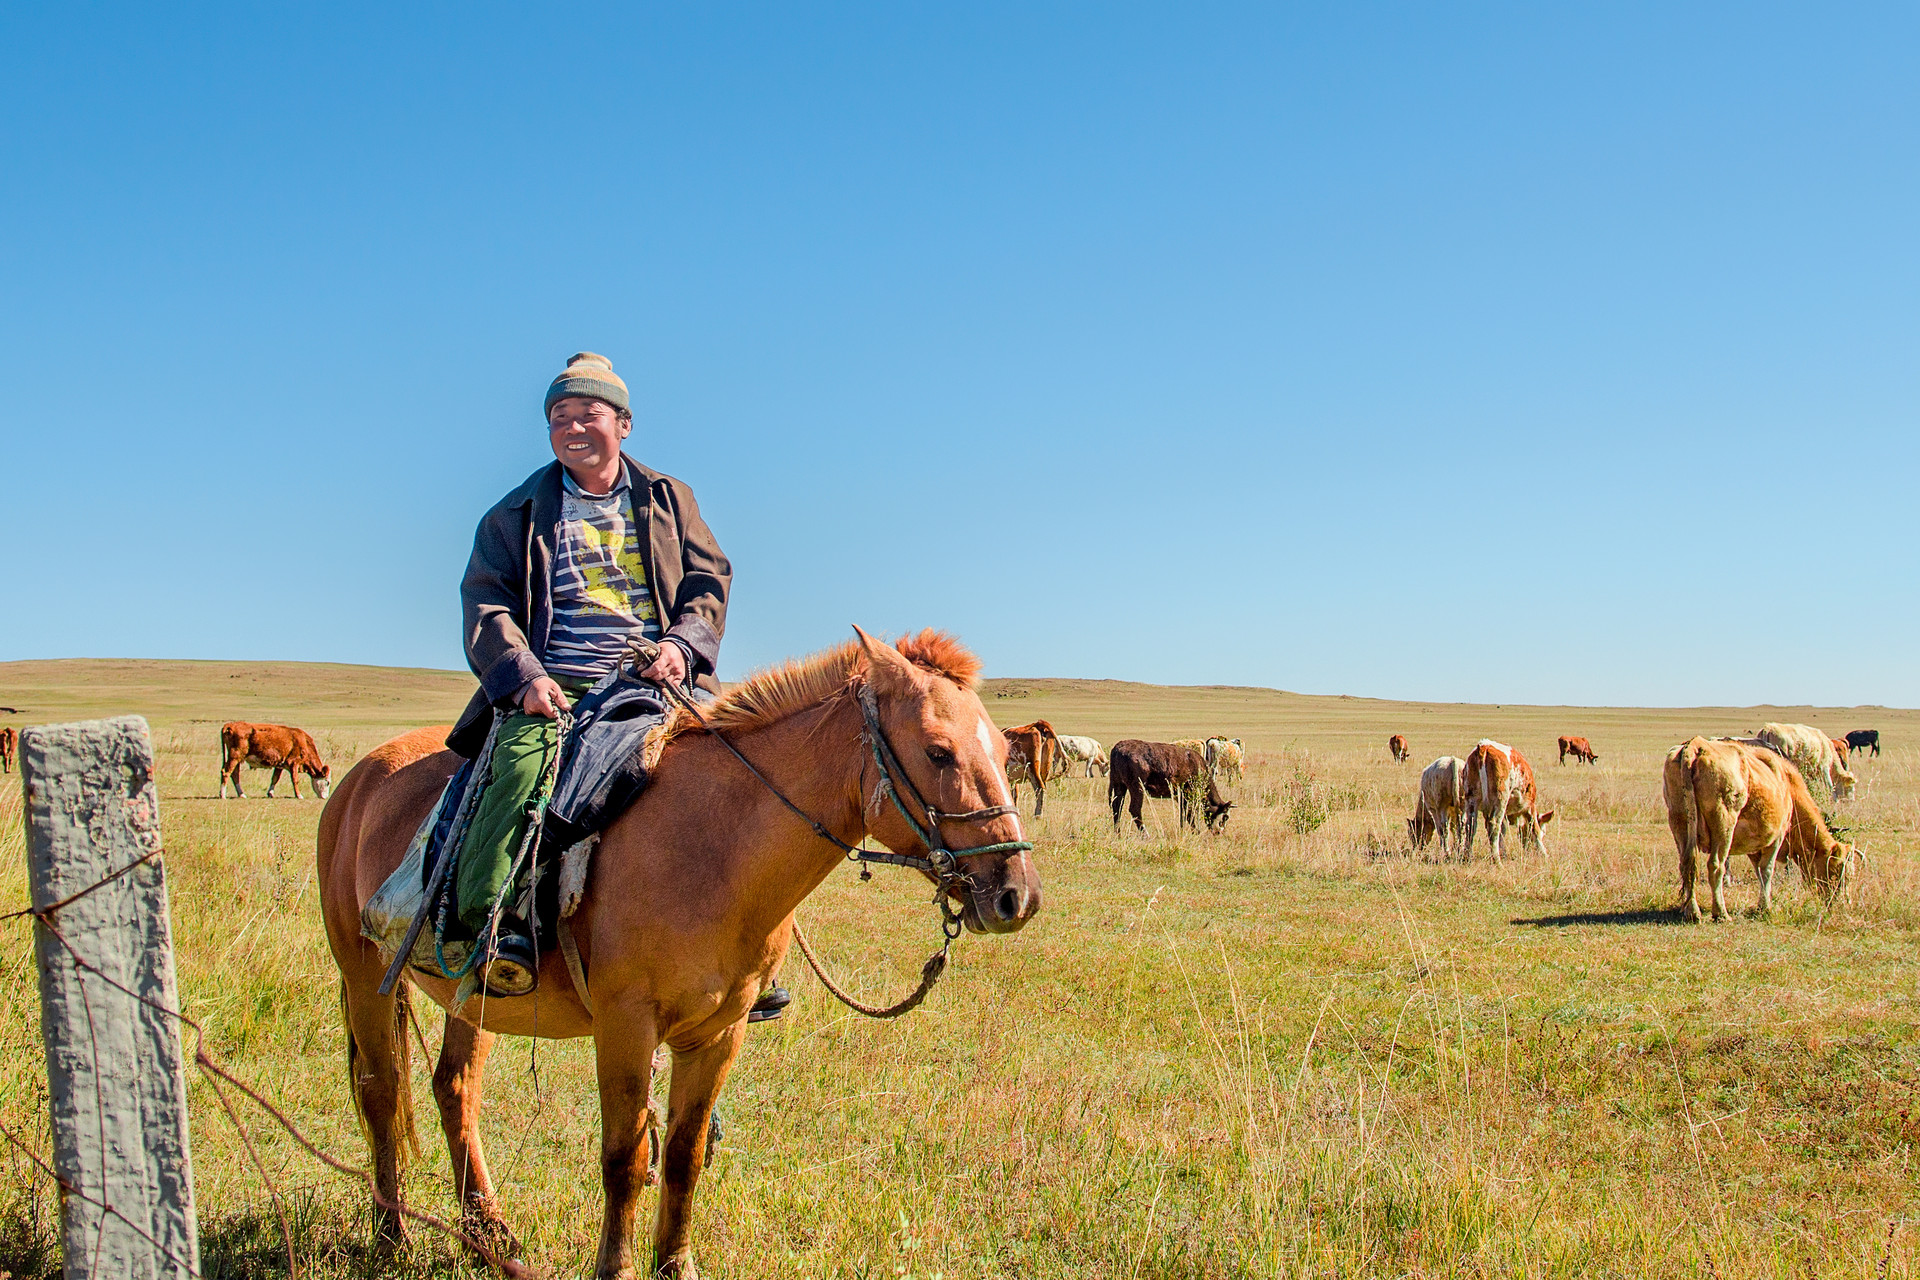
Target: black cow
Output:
[(1165, 771), (1861, 739)]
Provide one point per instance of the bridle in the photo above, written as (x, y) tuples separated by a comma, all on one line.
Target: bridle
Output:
[(940, 862)]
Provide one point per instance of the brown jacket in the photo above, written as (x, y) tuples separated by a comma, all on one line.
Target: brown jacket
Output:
[(506, 597)]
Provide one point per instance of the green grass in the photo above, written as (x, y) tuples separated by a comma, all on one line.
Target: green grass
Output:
[(1268, 1053)]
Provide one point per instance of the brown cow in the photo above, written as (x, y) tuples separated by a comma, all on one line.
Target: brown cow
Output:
[(278, 747), (1839, 747), (1033, 755), (1501, 791), (1726, 797), (1166, 771), (9, 748), (1579, 748), (1397, 744)]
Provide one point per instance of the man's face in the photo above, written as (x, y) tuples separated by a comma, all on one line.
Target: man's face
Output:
[(585, 433)]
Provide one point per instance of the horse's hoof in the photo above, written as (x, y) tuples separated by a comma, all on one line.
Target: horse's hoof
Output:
[(483, 1224)]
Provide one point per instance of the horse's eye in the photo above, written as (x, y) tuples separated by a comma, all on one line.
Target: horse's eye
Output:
[(940, 757)]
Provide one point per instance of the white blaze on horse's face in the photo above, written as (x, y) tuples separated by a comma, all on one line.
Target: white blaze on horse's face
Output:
[(997, 792)]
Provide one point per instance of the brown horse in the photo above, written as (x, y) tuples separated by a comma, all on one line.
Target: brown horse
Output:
[(687, 913)]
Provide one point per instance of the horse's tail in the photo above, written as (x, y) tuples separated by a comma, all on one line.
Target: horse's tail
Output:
[(408, 1148)]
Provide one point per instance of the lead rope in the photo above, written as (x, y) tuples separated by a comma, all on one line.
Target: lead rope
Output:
[(929, 974)]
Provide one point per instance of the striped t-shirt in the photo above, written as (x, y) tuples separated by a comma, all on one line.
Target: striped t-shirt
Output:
[(600, 593)]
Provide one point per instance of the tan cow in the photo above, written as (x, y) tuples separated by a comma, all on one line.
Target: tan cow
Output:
[(9, 747), (1501, 791), (1441, 807), (1398, 748), (1033, 755), (1726, 797), (278, 747), (1812, 753)]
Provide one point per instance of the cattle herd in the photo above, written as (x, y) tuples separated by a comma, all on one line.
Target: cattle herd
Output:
[(1724, 796), (1187, 772), (1756, 795)]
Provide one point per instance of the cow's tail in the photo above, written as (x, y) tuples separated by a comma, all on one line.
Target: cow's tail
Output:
[(1687, 756)]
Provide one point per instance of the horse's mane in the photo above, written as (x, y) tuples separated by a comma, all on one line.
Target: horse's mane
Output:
[(774, 693)]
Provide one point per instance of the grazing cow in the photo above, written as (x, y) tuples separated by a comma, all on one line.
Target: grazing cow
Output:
[(1812, 753), (1442, 805), (1082, 751), (1033, 755), (1726, 797), (1579, 748), (1501, 791), (1164, 770), (1226, 757), (1862, 740), (1397, 744), (271, 746), (9, 748)]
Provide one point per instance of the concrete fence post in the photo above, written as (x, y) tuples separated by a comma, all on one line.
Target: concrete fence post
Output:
[(114, 1065)]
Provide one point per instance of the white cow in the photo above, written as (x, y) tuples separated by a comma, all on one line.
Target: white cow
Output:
[(1812, 753), (1441, 808), (1084, 751)]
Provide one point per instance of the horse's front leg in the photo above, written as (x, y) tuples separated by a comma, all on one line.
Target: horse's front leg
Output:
[(697, 1078), (623, 1043), (456, 1089)]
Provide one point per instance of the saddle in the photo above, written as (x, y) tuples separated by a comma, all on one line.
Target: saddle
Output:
[(603, 765)]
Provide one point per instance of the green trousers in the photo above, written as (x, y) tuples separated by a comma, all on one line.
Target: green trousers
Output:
[(520, 753)]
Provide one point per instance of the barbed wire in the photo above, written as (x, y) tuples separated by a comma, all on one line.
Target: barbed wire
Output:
[(216, 1075)]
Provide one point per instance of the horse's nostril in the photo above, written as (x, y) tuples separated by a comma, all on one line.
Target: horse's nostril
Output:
[(1007, 905)]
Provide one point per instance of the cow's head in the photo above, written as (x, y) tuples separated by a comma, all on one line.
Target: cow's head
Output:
[(322, 780), (1217, 811), (1842, 782), (1420, 829)]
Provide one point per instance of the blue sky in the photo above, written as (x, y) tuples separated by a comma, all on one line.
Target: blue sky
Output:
[(1468, 352)]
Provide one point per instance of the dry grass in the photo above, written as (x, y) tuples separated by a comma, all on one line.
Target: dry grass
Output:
[(1269, 1053)]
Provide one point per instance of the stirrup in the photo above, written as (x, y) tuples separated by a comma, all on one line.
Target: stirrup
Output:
[(513, 967), (772, 1003)]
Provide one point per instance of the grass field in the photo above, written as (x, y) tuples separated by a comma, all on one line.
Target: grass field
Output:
[(1291, 1050)]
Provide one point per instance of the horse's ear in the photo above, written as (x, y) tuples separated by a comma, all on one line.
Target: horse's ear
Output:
[(888, 667)]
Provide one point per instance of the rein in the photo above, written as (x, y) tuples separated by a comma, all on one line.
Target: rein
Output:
[(940, 862)]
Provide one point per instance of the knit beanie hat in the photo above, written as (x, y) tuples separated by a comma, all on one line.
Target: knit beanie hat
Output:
[(587, 374)]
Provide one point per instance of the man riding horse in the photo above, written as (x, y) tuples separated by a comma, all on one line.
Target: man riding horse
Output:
[(585, 556)]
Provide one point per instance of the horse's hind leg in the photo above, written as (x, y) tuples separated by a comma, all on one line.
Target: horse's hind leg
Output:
[(456, 1089), (697, 1078), (377, 1070)]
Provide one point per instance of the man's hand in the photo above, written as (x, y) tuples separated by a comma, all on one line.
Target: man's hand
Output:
[(669, 668), (544, 697)]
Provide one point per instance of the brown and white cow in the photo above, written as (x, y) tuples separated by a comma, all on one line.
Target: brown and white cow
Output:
[(1726, 797), (1812, 753), (1579, 748), (1442, 804), (1397, 745), (1033, 755), (1167, 771), (278, 747), (9, 747), (1501, 791)]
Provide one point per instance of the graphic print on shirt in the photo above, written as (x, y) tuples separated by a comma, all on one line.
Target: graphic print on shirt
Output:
[(601, 598)]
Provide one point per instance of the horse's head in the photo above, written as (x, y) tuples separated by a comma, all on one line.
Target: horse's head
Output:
[(956, 760)]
